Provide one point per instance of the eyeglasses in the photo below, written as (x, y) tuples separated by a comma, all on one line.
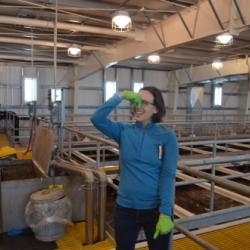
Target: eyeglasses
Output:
[(145, 103)]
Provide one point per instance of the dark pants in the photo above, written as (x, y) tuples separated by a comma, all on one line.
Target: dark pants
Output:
[(128, 223)]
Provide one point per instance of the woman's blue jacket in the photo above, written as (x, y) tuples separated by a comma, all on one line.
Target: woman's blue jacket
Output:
[(148, 159)]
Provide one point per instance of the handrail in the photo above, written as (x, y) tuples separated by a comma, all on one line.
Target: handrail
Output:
[(207, 142), (231, 185), (195, 238), (94, 137)]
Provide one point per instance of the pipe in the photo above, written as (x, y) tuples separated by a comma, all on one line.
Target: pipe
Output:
[(83, 157), (206, 142), (101, 176), (94, 137), (65, 26), (46, 43), (111, 184), (217, 160), (231, 185), (42, 59), (1, 212), (195, 238), (89, 194)]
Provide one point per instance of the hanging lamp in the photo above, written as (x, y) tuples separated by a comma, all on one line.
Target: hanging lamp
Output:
[(224, 39), (74, 50), (121, 21), (217, 64), (154, 59)]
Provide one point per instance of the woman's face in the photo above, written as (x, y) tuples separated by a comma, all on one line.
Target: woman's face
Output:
[(144, 114)]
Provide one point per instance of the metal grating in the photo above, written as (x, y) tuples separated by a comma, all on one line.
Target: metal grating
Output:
[(74, 237), (231, 238)]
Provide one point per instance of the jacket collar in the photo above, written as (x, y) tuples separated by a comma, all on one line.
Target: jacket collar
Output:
[(148, 126)]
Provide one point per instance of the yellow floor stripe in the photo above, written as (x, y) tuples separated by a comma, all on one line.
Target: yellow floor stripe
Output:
[(231, 238), (4, 140)]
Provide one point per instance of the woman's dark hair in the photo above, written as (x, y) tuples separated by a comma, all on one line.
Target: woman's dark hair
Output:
[(158, 102)]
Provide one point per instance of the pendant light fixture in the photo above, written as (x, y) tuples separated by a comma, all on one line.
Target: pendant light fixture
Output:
[(224, 39), (74, 50), (217, 64), (121, 21), (154, 59)]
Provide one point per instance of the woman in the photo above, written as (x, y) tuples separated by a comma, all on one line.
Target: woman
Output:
[(148, 158)]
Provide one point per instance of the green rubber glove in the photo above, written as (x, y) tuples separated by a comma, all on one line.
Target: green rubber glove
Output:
[(163, 226), (133, 97)]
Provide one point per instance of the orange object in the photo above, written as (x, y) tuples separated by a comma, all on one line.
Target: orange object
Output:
[(7, 151)]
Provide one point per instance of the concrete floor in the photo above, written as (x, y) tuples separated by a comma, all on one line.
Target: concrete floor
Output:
[(23, 240)]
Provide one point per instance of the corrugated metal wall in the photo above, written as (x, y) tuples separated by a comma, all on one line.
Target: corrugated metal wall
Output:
[(85, 95)]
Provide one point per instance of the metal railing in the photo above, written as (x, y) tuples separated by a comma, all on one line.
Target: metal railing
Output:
[(101, 143)]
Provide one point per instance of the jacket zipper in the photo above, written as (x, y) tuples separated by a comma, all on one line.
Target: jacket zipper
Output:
[(142, 141)]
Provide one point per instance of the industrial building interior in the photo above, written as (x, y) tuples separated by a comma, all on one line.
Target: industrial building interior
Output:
[(60, 60)]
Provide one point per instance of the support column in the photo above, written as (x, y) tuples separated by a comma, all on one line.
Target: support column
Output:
[(176, 97), (244, 100), (246, 111), (75, 86), (172, 94)]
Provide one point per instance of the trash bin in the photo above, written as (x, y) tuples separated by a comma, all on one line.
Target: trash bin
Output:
[(47, 212)]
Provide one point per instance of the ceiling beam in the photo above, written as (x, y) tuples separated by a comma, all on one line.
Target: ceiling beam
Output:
[(174, 3), (195, 58), (205, 72), (173, 32), (75, 4), (46, 43), (67, 26), (62, 14), (40, 59)]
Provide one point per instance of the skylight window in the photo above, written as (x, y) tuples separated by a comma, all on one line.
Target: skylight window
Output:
[(217, 96), (30, 89), (137, 86), (110, 89)]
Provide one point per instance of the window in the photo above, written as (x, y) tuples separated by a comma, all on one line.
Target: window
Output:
[(217, 96), (30, 89), (110, 89), (56, 95), (137, 86)]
